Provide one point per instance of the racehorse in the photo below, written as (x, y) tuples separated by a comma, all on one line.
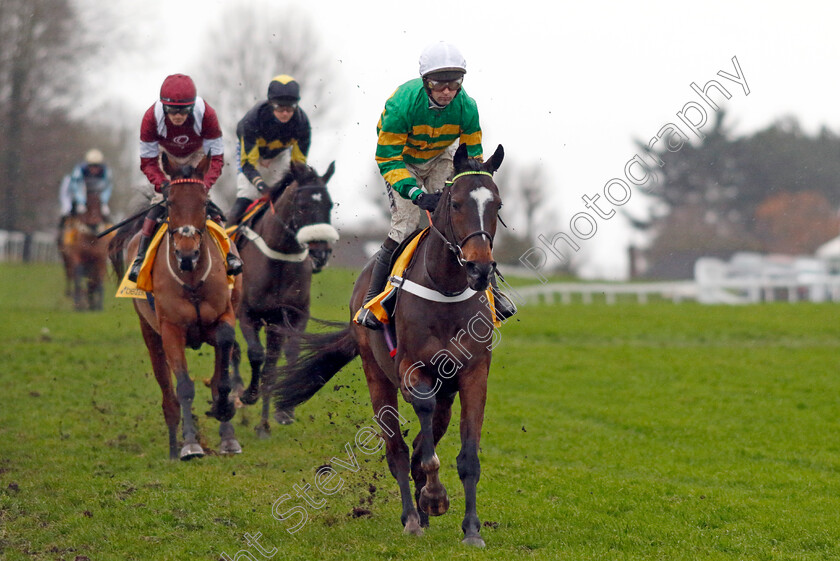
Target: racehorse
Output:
[(281, 249), (85, 255), (192, 304), (443, 346)]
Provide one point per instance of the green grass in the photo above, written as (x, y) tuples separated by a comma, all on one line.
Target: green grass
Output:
[(656, 431)]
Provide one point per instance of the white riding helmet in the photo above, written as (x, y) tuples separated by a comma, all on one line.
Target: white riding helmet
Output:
[(442, 57), (94, 157)]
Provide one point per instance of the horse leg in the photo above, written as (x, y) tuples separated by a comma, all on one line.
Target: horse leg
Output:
[(256, 356), (222, 408), (383, 397), (236, 377), (164, 380), (225, 341), (440, 422), (432, 497), (174, 342), (291, 350), (473, 392), (78, 278), (273, 346)]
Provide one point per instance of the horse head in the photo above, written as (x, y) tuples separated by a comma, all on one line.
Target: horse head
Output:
[(186, 202), (467, 215), (301, 200)]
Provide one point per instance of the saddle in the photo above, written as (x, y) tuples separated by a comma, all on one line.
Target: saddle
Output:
[(383, 305), (143, 286)]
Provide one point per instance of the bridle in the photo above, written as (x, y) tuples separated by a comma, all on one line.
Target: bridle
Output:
[(456, 247), (291, 227)]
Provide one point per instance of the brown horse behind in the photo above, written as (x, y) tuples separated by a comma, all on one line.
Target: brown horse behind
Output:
[(192, 305), (444, 333), (85, 255)]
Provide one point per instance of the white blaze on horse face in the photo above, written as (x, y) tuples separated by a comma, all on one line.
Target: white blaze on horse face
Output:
[(482, 196), (316, 197)]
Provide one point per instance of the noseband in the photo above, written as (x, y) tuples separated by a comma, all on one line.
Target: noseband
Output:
[(456, 247)]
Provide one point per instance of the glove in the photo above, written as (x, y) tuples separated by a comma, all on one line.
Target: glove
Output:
[(163, 188), (427, 201), (81, 209), (106, 210), (260, 185)]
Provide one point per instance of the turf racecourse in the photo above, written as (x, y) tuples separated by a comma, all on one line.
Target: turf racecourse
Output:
[(631, 431)]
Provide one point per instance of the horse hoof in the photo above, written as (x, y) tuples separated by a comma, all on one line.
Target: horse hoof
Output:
[(263, 430), (250, 397), (412, 527), (230, 446), (474, 541), (286, 417), (191, 450), (433, 505)]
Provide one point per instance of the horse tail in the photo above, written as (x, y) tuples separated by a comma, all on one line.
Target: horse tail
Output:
[(322, 356)]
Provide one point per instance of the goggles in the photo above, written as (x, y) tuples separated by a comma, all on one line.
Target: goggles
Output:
[(177, 109), (281, 106), (439, 86)]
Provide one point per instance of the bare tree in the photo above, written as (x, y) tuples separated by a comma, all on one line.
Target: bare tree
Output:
[(254, 43), (37, 48)]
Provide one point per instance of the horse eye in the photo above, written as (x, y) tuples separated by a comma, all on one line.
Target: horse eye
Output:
[(456, 206)]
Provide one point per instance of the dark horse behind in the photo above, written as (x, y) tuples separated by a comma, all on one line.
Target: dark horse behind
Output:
[(445, 335), (281, 249), (193, 304)]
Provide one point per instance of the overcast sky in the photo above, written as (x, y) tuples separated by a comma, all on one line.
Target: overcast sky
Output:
[(566, 85)]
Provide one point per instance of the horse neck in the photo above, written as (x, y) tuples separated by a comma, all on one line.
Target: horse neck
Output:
[(275, 225)]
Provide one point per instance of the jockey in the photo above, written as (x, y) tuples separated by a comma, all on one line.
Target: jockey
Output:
[(272, 134), (92, 174), (422, 124), (184, 126)]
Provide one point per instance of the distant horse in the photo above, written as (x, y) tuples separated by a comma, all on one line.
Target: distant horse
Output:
[(85, 255), (192, 305), (443, 346), (280, 250)]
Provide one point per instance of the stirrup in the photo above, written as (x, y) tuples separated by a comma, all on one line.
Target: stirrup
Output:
[(366, 318), (234, 264)]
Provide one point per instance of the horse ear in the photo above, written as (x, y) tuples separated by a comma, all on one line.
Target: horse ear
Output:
[(330, 171), (460, 159), (203, 166), (495, 160)]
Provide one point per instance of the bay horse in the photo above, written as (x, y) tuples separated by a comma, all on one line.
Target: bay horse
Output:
[(444, 341), (193, 304), (281, 249), (85, 255)]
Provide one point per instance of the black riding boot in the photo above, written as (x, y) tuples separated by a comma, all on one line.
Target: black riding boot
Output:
[(234, 263), (240, 205), (378, 276), (504, 306), (141, 254)]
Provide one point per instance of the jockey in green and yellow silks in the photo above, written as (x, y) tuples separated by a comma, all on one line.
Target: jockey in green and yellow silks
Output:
[(423, 123)]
